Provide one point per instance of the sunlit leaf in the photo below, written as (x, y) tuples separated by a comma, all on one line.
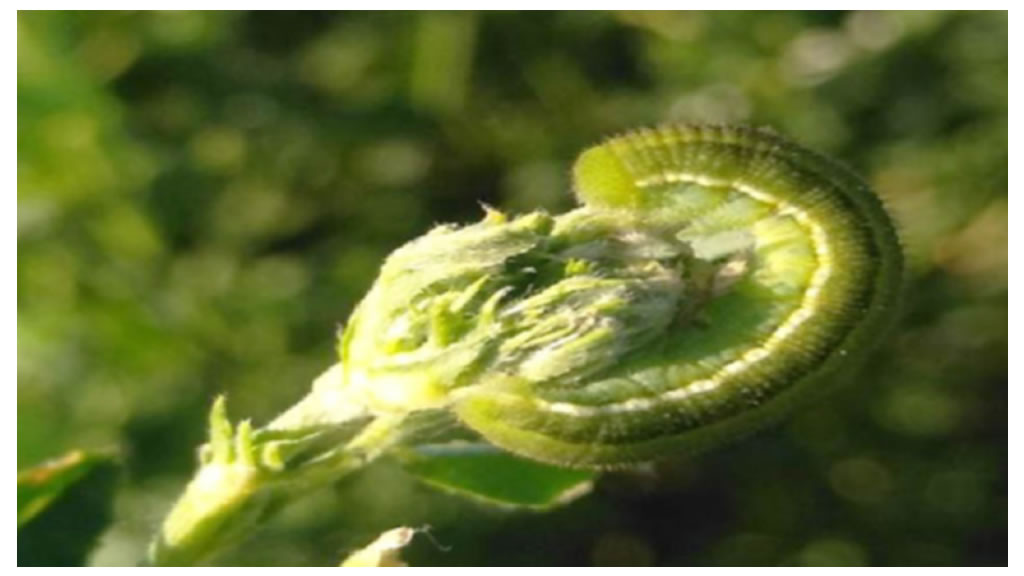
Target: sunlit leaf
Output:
[(382, 552), (63, 505)]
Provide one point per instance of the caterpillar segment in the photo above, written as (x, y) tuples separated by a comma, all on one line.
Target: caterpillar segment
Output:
[(816, 285)]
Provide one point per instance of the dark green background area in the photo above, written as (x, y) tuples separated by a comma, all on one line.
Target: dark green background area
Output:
[(203, 197)]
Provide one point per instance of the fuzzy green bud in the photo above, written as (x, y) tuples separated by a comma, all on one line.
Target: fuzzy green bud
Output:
[(533, 300)]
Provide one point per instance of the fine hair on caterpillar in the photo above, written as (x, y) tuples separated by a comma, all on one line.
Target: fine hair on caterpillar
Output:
[(783, 263)]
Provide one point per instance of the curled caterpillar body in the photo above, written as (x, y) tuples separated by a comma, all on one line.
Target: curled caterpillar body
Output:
[(711, 278)]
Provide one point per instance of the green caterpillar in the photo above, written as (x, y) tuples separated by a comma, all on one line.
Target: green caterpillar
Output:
[(712, 277)]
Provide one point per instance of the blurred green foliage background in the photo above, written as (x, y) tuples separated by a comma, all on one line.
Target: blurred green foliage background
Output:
[(202, 197)]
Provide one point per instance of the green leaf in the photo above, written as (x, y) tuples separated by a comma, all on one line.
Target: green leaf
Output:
[(486, 473), (63, 505)]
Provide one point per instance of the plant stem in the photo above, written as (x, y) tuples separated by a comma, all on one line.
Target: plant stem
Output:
[(233, 491)]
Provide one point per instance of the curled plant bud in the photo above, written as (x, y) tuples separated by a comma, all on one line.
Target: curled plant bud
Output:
[(712, 277), (506, 303)]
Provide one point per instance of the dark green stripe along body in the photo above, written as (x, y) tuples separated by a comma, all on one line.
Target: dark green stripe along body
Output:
[(712, 277)]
